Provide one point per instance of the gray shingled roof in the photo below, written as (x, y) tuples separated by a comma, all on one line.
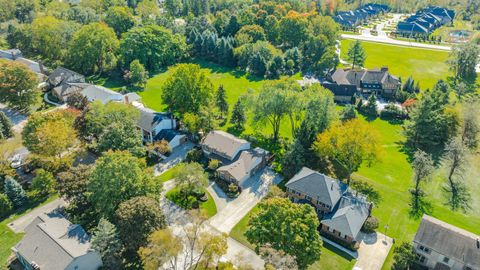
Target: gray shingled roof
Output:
[(100, 93), (66, 89), (348, 215), (355, 77), (245, 163), (318, 186), (52, 242), (449, 240), (223, 142), (62, 75), (150, 118)]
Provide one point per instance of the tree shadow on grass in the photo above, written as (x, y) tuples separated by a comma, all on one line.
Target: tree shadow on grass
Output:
[(419, 207), (337, 251)]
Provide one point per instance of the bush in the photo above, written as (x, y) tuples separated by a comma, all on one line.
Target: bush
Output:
[(192, 201), (391, 111), (194, 155), (213, 164), (228, 187), (370, 225), (6, 206)]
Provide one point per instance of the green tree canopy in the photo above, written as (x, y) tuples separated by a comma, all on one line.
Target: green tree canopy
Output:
[(154, 46), (187, 89), (117, 177), (120, 19), (93, 49), (356, 54), (288, 227), (15, 192), (106, 241), (136, 219)]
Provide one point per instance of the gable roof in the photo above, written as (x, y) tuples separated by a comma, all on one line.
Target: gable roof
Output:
[(52, 242), (149, 118), (357, 77), (247, 161), (167, 134), (348, 215), (449, 240), (318, 186), (62, 75), (66, 89), (223, 142), (100, 93), (340, 89)]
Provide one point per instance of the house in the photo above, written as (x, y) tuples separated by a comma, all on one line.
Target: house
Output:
[(425, 21), (16, 55), (353, 18), (378, 81), (249, 163), (173, 137), (62, 75), (65, 90), (52, 242), (222, 145), (102, 94), (342, 93), (151, 123), (341, 213), (440, 245)]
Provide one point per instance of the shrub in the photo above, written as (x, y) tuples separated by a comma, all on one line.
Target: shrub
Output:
[(6, 205), (391, 111), (194, 155), (213, 164), (370, 225)]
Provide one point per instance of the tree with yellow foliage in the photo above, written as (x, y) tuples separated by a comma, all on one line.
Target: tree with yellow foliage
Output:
[(349, 144)]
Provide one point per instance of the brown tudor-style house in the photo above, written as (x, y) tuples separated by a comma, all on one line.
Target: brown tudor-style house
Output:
[(341, 213)]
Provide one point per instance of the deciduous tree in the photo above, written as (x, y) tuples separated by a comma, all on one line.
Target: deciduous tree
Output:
[(404, 257), (43, 183), (18, 85), (187, 89), (349, 144), (136, 219), (190, 176), (463, 60), (93, 49), (6, 125), (289, 227), (422, 169), (117, 177), (163, 248), (120, 19)]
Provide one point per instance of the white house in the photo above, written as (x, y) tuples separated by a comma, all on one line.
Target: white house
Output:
[(151, 123), (52, 242)]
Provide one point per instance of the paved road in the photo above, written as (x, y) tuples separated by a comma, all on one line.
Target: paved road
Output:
[(18, 119), (21, 223), (254, 189)]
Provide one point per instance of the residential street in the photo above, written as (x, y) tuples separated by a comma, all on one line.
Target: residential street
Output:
[(18, 119)]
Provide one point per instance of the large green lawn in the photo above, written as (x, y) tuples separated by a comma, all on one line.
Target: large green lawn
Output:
[(391, 177), (235, 82), (424, 65), (8, 238)]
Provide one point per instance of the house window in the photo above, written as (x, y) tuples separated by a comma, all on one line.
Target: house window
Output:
[(308, 197), (424, 249), (421, 258), (446, 260)]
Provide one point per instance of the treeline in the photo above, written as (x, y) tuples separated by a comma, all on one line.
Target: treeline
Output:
[(266, 39)]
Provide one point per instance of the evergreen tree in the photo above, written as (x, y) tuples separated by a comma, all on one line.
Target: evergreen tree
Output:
[(371, 108), (293, 160), (276, 67), (221, 100), (356, 54), (238, 115), (15, 192), (5, 126), (348, 113), (105, 240), (258, 65), (5, 205)]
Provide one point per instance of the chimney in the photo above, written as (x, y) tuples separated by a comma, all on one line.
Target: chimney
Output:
[(126, 99), (384, 69), (478, 243), (331, 186)]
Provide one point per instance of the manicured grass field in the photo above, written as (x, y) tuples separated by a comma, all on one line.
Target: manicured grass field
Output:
[(424, 65), (235, 82), (168, 175), (8, 238), (391, 177)]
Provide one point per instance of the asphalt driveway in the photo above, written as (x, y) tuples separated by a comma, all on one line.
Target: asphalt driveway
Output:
[(21, 223), (178, 155)]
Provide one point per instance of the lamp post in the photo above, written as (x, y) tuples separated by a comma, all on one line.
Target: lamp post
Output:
[(386, 228)]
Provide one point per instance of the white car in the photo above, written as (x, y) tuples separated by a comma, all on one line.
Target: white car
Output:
[(16, 161)]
